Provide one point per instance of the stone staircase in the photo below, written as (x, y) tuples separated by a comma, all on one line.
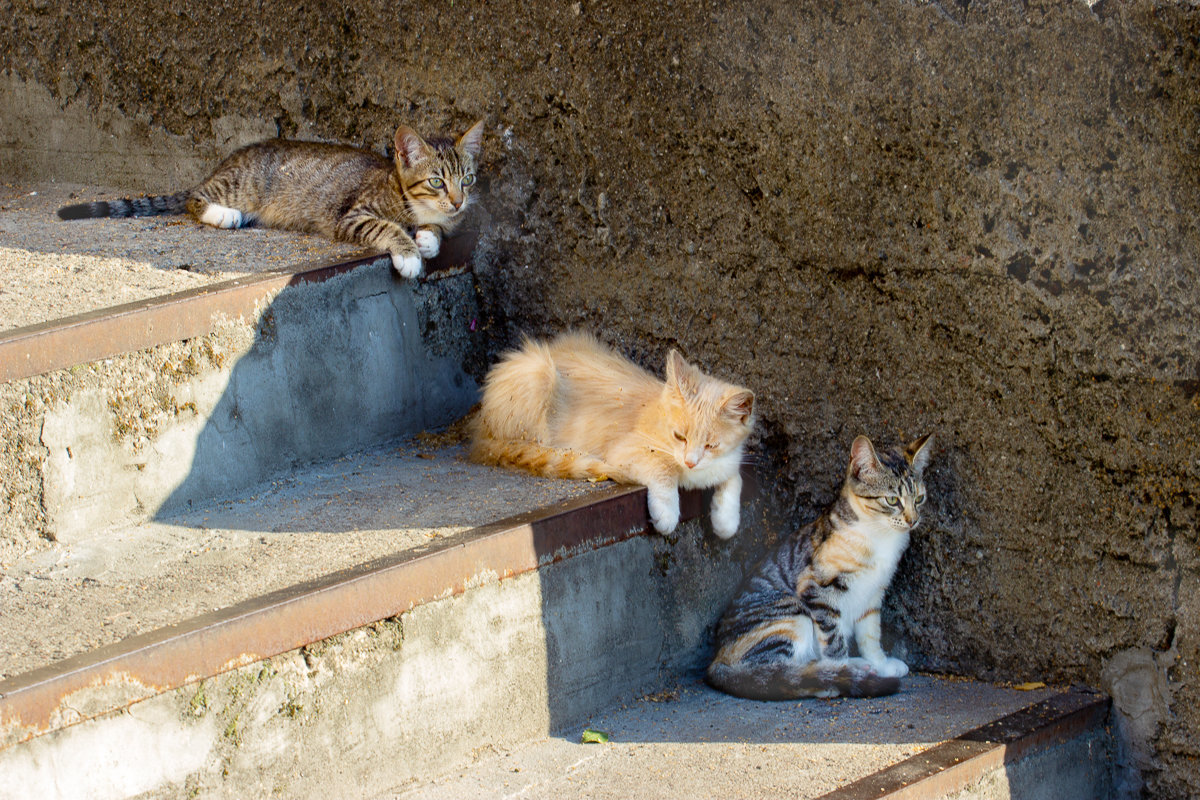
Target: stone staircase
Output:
[(274, 574)]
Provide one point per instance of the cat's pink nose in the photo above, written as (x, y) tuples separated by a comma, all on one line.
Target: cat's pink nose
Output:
[(690, 462)]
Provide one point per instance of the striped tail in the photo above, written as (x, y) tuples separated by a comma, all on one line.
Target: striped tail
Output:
[(776, 681), (550, 462), (148, 206)]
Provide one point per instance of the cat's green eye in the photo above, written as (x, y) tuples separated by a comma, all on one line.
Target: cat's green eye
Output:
[(467, 180), (893, 501), (920, 499), (437, 183)]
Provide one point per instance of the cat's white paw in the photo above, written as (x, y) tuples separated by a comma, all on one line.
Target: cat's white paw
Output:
[(428, 243), (221, 216), (890, 668), (725, 518), (407, 264), (664, 510)]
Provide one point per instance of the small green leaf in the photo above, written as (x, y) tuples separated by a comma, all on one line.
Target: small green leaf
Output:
[(591, 736)]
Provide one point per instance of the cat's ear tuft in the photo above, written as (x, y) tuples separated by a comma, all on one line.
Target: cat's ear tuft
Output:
[(411, 149), (862, 458), (918, 453), (471, 142), (740, 405), (682, 375)]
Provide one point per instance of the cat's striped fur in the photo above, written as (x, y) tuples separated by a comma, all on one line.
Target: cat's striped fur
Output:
[(402, 206), (788, 631), (575, 408)]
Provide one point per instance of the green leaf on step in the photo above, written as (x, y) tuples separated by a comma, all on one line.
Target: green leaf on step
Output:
[(591, 736)]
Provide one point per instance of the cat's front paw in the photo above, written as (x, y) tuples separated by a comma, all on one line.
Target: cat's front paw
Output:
[(725, 521), (428, 243), (407, 264), (725, 518), (664, 510), (890, 668)]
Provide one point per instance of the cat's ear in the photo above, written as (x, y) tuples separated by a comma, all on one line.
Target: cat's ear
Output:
[(918, 453), (740, 405), (411, 149), (682, 375), (471, 142), (862, 458)]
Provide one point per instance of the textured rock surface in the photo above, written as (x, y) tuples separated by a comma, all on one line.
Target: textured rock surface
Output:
[(977, 218)]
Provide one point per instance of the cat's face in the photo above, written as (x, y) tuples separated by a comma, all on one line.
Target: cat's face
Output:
[(889, 490), (438, 178), (705, 419)]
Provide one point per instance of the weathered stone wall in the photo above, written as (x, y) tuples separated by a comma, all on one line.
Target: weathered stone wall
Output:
[(976, 218)]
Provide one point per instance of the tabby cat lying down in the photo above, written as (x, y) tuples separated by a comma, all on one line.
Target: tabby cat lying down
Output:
[(787, 632), (348, 194)]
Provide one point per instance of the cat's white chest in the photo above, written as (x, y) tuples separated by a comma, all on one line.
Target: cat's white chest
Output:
[(870, 582)]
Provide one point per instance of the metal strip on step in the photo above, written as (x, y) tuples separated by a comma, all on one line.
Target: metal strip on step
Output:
[(95, 335), (141, 667), (955, 765)]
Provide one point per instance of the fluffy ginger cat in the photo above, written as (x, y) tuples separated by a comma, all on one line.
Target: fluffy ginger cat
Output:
[(575, 408)]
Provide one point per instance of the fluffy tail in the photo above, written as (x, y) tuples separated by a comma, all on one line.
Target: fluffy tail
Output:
[(550, 462), (778, 681), (148, 206)]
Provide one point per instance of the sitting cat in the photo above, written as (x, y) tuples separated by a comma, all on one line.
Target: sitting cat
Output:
[(575, 408), (787, 632), (345, 193)]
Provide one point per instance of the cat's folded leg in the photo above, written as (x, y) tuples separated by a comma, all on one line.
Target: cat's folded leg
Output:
[(726, 507), (663, 502), (429, 242), (222, 216), (366, 228)]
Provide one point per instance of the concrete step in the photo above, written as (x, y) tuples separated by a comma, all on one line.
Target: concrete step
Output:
[(113, 417), (938, 738), (468, 665), (387, 670)]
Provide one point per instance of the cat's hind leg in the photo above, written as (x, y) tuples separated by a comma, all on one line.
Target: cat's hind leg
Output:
[(222, 216), (215, 214)]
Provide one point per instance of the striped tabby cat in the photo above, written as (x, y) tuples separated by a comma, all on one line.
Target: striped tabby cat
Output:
[(786, 635), (575, 408), (349, 194)]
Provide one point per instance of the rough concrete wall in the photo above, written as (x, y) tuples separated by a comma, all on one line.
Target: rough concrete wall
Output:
[(977, 218)]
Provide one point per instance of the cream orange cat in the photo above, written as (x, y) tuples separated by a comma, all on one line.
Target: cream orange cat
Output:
[(574, 408)]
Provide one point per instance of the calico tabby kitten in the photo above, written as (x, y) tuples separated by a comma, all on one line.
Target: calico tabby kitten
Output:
[(345, 193), (787, 632), (575, 408)]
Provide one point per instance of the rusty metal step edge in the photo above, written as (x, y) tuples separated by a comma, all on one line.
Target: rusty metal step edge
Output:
[(118, 675), (95, 335), (957, 764)]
